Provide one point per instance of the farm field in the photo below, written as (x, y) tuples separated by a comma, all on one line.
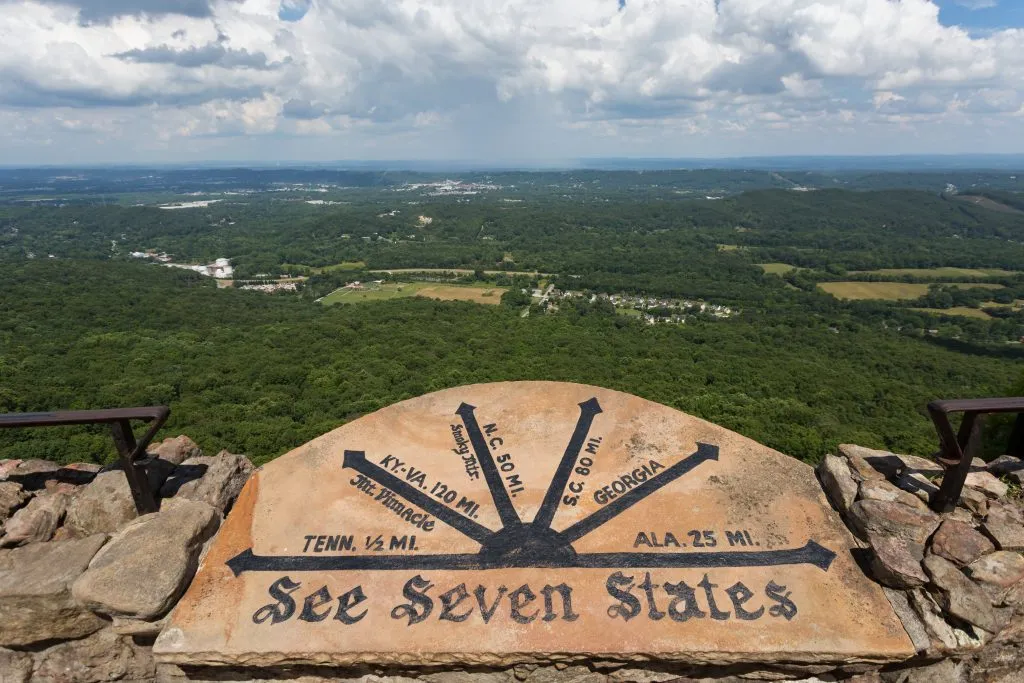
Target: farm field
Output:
[(888, 290), (938, 272), (430, 290), (776, 268), (957, 310)]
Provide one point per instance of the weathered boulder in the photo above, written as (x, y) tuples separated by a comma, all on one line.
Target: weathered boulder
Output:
[(883, 490), (880, 517), (15, 667), (960, 543), (31, 474), (862, 468), (156, 469), (917, 484), (103, 656), (960, 596), (35, 592), (913, 464), (913, 624), (146, 567), (897, 563), (103, 506), (176, 450), (1005, 528), (838, 482), (216, 481), (987, 483), (37, 521), (945, 671), (974, 500), (942, 634), (1005, 464), (997, 573), (12, 495)]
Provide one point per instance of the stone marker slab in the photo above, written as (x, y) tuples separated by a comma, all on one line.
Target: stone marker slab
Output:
[(531, 521)]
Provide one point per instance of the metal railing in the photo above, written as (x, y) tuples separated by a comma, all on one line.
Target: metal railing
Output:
[(129, 449), (957, 450)]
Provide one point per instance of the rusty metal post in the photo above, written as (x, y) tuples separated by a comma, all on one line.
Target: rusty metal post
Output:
[(955, 456), (1016, 446), (138, 480)]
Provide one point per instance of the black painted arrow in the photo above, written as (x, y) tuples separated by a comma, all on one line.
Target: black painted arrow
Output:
[(811, 553), (588, 410), (507, 513), (357, 461), (627, 500)]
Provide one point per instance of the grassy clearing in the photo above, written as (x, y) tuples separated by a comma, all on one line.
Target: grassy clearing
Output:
[(892, 291), (776, 268), (396, 290), (344, 265), (986, 203), (458, 271), (956, 310), (480, 295), (874, 290), (938, 272), (729, 247), (628, 311)]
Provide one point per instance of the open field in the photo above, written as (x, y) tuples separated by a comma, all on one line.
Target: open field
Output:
[(889, 290), (344, 265), (776, 268), (395, 290), (986, 203), (956, 310), (938, 272), (459, 271)]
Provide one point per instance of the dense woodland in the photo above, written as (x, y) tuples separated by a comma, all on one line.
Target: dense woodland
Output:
[(796, 369)]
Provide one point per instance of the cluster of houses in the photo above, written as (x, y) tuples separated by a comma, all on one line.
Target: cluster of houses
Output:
[(652, 309)]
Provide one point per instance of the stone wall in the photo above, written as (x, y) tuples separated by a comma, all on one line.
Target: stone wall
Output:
[(86, 585)]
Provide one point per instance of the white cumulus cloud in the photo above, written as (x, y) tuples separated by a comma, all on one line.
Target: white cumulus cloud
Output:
[(422, 74)]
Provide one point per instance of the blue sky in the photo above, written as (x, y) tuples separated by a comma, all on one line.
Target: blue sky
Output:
[(84, 81)]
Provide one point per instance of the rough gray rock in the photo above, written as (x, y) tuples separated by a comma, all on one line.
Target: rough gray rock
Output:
[(216, 481), (997, 573), (987, 484), (942, 634), (35, 592), (37, 521), (176, 450), (975, 501), (147, 566), (103, 506), (960, 543), (857, 457), (913, 464), (961, 597), (103, 656), (908, 617), (917, 484), (1005, 529), (137, 627), (15, 667), (895, 562), (1005, 464), (893, 519), (32, 474), (946, 671), (12, 496), (838, 482), (883, 490)]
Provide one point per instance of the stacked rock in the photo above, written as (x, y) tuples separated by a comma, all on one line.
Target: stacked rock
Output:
[(85, 582), (956, 579)]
